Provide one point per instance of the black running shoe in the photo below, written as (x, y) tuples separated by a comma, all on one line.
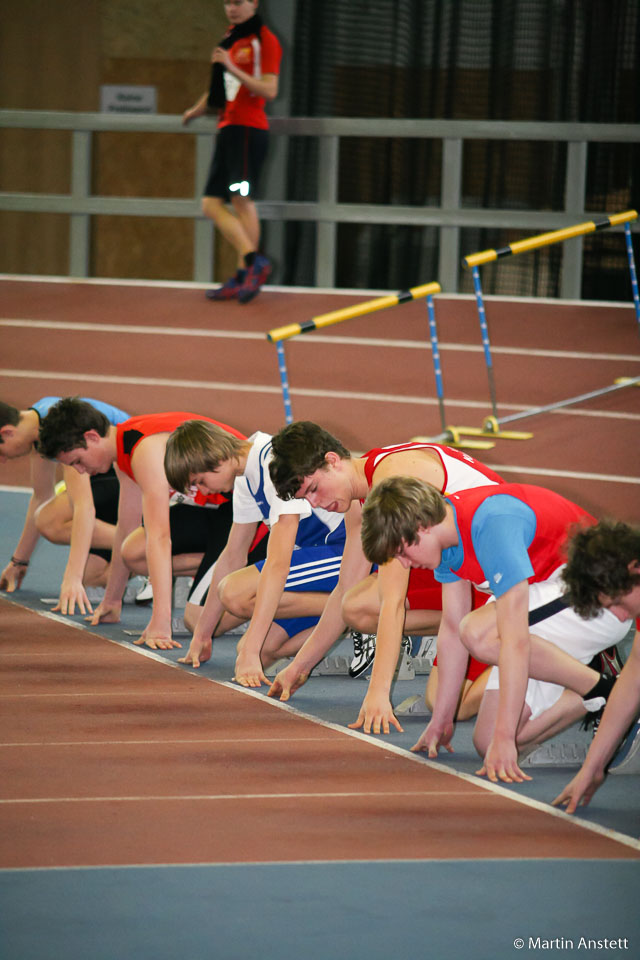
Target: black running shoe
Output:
[(607, 662)]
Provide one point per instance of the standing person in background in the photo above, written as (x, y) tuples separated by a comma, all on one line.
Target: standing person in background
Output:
[(244, 76)]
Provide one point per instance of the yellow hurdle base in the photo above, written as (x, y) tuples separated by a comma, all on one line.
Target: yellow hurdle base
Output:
[(626, 380), (491, 428), (452, 438)]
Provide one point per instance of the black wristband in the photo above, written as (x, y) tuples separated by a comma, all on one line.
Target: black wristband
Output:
[(19, 563)]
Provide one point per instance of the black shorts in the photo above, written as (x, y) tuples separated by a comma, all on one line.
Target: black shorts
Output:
[(205, 530), (238, 156), (105, 489), (199, 529)]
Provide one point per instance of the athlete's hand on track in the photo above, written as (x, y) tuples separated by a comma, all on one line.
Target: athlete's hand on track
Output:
[(501, 762), (287, 682), (199, 651), (248, 671), (105, 612), (434, 736), (11, 577), (376, 713), (578, 792), (72, 594), (157, 636)]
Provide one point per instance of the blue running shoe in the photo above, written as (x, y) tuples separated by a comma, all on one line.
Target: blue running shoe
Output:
[(229, 289), (257, 274)]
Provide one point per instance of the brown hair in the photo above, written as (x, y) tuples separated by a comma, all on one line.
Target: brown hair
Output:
[(394, 513), (197, 446)]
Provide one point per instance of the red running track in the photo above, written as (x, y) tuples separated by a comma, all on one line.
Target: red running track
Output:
[(370, 380), (114, 758)]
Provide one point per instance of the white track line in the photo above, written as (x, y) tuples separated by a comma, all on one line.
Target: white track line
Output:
[(571, 474), (295, 391), (323, 291), (365, 738), (121, 743), (244, 864), (352, 794), (185, 332)]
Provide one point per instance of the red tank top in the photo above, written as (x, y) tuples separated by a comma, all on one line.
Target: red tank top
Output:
[(554, 518), (132, 431), (461, 470)]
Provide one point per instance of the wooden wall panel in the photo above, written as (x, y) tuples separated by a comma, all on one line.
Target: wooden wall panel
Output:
[(59, 64)]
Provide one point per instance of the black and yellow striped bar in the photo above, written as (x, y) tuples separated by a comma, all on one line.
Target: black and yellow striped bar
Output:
[(347, 313), (545, 239)]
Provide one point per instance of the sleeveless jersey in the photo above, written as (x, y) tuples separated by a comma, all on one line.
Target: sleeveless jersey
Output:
[(113, 415), (554, 518), (132, 431), (461, 471)]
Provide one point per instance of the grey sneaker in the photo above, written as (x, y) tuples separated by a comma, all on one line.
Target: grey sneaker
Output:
[(95, 595), (627, 758)]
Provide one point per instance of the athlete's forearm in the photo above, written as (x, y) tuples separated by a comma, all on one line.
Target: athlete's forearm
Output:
[(82, 525), (620, 712), (388, 641)]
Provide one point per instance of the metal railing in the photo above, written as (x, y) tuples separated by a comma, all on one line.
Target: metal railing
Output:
[(449, 217)]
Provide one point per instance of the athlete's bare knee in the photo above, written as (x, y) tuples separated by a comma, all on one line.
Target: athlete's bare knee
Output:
[(235, 598), (192, 613), (475, 635), (133, 554), (360, 609), (480, 740), (51, 524)]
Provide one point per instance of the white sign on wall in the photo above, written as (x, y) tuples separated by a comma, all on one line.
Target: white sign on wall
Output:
[(115, 98)]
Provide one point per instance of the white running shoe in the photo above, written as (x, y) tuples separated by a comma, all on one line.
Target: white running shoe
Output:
[(145, 593), (364, 650)]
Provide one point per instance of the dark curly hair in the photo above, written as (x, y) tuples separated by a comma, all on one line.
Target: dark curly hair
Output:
[(65, 425), (298, 451), (9, 415), (598, 564)]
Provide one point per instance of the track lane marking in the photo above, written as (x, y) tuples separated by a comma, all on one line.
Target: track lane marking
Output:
[(481, 784), (165, 742), (173, 798), (346, 340), (295, 391)]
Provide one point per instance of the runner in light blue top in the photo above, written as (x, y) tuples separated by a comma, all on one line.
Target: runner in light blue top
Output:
[(82, 513)]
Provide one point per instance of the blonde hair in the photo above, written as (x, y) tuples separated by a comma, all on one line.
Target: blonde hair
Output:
[(394, 513), (197, 446)]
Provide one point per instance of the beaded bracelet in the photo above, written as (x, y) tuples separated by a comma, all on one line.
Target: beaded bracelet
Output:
[(19, 563)]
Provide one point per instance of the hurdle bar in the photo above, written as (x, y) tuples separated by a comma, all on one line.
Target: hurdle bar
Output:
[(492, 424), (279, 334), (545, 239), (347, 313)]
